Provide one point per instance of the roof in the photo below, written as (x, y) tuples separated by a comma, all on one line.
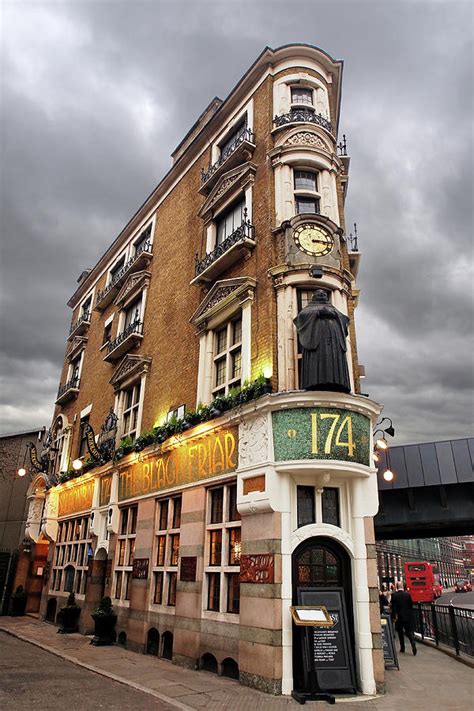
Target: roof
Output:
[(36, 430), (428, 464), (196, 138)]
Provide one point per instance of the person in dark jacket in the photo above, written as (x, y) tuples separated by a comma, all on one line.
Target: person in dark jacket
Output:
[(402, 615)]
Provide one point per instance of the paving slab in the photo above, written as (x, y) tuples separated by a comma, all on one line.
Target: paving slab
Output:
[(439, 681)]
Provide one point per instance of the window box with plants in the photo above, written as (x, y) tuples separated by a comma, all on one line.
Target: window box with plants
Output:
[(104, 621), (68, 616)]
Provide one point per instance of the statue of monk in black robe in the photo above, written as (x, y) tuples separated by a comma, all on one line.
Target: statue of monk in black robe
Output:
[(322, 331)]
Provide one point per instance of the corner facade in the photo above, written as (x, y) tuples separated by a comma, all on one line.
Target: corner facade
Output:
[(226, 488)]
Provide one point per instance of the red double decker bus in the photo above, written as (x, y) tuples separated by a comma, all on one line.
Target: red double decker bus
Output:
[(422, 583)]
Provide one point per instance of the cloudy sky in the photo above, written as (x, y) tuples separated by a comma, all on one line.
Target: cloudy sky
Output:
[(95, 96)]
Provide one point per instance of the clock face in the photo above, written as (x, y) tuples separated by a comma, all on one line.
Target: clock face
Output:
[(313, 240)]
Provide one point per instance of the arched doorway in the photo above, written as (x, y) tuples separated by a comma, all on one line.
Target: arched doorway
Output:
[(153, 641), (319, 562), (167, 645)]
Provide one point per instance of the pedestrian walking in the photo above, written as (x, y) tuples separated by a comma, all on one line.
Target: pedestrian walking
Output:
[(402, 615)]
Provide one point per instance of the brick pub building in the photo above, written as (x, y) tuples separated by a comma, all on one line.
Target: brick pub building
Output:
[(201, 533)]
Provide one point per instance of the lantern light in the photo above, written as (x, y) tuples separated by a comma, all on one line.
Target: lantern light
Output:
[(21, 471), (77, 465), (388, 475), (381, 443)]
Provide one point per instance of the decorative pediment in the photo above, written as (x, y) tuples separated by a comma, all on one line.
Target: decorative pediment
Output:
[(223, 293), (305, 138), (132, 287), (130, 368), (77, 345), (238, 177)]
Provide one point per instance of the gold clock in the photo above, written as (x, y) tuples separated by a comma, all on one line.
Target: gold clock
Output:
[(313, 240)]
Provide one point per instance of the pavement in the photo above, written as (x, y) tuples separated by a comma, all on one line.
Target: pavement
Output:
[(431, 679)]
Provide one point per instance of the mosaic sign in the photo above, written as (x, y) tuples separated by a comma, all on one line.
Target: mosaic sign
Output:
[(193, 460), (105, 488), (257, 568), (76, 498), (321, 433)]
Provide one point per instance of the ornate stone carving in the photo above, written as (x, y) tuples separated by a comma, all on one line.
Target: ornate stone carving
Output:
[(134, 281), (253, 442), (305, 138), (129, 364), (220, 294)]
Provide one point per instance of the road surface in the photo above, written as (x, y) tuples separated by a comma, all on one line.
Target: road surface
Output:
[(31, 678), (457, 599)]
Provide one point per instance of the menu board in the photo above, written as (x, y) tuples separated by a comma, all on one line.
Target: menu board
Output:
[(328, 651), (388, 643)]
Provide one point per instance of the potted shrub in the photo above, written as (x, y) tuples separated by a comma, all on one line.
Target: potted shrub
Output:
[(104, 621), (68, 616), (18, 602)]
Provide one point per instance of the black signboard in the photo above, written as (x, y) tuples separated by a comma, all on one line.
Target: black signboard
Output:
[(328, 651), (388, 643), (188, 569)]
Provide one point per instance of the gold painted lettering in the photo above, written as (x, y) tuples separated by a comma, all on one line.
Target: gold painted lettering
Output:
[(146, 483), (202, 457), (335, 419), (314, 433), (160, 474), (229, 440), (350, 442), (218, 464), (191, 463)]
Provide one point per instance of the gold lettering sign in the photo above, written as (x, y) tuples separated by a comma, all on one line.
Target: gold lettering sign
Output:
[(105, 487), (75, 499), (196, 459)]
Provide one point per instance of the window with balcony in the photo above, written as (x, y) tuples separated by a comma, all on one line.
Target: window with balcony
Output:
[(302, 96), (223, 550), (166, 551), (307, 197), (70, 388), (230, 220), (130, 320), (125, 552), (143, 243), (230, 150)]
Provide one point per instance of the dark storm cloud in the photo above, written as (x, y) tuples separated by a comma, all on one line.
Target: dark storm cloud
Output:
[(97, 95)]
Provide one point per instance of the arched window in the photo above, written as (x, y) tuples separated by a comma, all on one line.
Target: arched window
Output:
[(209, 663)]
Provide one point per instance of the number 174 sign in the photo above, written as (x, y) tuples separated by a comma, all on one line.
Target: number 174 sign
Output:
[(321, 433)]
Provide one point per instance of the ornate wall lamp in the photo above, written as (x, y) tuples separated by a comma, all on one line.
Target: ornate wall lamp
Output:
[(382, 444)]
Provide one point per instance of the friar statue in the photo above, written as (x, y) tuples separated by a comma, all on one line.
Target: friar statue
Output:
[(322, 331)]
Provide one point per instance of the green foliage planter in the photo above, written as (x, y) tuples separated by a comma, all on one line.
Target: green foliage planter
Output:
[(203, 413), (104, 622), (68, 616), (18, 602)]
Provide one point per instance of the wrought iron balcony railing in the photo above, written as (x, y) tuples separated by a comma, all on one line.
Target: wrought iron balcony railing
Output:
[(302, 115), (145, 249), (82, 322), (243, 234), (68, 389), (119, 346), (246, 135)]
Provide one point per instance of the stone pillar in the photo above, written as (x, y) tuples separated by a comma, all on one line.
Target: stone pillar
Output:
[(187, 637), (260, 628)]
